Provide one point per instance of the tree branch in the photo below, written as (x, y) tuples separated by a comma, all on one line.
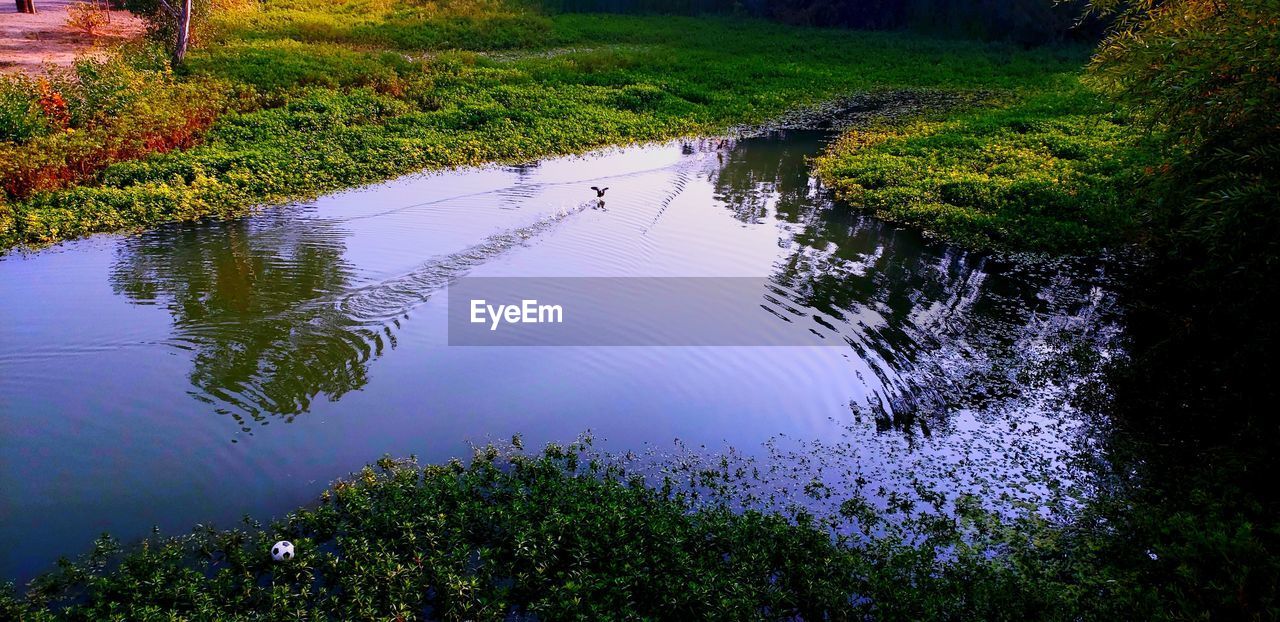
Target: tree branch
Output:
[(165, 5)]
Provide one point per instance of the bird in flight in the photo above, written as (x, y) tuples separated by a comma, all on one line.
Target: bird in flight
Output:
[(599, 191)]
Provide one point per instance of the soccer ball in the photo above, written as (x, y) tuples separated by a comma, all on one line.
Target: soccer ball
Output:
[(282, 551)]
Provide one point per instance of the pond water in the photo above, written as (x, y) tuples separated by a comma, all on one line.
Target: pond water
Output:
[(197, 373)]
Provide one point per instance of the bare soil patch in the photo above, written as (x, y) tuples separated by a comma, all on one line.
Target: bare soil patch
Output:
[(29, 42)]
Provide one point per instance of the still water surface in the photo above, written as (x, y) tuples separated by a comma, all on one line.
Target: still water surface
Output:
[(201, 372)]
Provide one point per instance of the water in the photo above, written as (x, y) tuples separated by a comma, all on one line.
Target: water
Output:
[(198, 373)]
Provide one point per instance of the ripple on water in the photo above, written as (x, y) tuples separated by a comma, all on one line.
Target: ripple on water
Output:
[(133, 362)]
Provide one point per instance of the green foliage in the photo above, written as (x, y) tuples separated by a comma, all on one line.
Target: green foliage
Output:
[(288, 65), (1199, 432), (1029, 22), (20, 118), (8, 226), (1049, 170), (99, 112), (327, 110), (1207, 72), (561, 536), (457, 24), (162, 19), (314, 97)]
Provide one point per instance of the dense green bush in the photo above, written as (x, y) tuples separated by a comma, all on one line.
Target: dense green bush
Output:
[(1023, 21), (1207, 73), (1197, 426), (20, 117), (497, 538), (162, 23), (81, 120)]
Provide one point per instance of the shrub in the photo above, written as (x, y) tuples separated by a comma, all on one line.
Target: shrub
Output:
[(86, 16), (1207, 73), (1204, 75), (162, 25), (498, 538), (20, 113), (564, 535), (100, 112)]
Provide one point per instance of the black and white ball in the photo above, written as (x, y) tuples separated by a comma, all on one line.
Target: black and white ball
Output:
[(282, 551)]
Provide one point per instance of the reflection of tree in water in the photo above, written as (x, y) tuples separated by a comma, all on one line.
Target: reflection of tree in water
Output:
[(246, 297), (268, 306), (941, 329), (757, 176)]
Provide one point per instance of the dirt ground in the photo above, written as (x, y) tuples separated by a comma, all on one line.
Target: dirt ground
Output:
[(28, 42)]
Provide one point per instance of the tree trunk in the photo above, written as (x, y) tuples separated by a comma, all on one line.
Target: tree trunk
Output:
[(184, 33), (26, 6)]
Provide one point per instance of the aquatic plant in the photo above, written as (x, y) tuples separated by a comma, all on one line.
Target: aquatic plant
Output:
[(568, 534), (1047, 170)]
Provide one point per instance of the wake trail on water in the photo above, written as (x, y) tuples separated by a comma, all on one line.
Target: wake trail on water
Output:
[(278, 364)]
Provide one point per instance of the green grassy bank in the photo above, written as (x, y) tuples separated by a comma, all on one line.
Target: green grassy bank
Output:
[(1050, 169), (557, 536), (286, 100)]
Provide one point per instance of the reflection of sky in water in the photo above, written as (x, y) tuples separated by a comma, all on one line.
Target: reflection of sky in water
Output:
[(199, 372)]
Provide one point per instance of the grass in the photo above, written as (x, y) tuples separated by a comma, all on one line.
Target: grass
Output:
[(557, 536), (313, 96), (322, 96), (1047, 170)]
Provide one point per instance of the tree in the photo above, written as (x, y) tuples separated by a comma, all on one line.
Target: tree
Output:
[(26, 6), (184, 33), (163, 16), (1205, 71)]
